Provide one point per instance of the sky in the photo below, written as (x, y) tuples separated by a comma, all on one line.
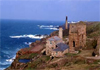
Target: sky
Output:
[(50, 10)]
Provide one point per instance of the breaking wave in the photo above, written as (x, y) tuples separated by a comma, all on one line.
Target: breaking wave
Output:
[(27, 43), (10, 60), (51, 27), (6, 62), (74, 22), (29, 36)]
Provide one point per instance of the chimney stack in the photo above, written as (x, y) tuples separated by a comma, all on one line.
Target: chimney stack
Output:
[(60, 32), (66, 24)]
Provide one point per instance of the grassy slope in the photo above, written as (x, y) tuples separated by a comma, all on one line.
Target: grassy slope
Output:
[(93, 29)]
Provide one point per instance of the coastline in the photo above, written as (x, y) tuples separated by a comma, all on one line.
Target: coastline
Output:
[(42, 43)]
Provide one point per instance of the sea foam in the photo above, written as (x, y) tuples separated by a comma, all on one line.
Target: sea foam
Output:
[(51, 27), (27, 43), (29, 36), (11, 60)]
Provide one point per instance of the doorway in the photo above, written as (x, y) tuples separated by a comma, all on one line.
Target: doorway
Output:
[(73, 43)]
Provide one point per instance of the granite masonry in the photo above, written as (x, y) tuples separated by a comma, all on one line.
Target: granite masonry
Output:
[(77, 36)]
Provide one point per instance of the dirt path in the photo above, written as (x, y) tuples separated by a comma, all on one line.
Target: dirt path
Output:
[(93, 57)]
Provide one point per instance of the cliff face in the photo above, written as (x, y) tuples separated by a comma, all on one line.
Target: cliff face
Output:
[(35, 47)]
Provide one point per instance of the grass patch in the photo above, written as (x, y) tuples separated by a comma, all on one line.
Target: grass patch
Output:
[(97, 62), (85, 53), (52, 66), (45, 58), (93, 30), (70, 54), (38, 62), (28, 56)]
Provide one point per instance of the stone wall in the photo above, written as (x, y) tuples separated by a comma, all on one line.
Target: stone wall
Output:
[(77, 36), (49, 46), (57, 54)]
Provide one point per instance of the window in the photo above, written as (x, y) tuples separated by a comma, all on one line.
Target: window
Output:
[(56, 46), (73, 43)]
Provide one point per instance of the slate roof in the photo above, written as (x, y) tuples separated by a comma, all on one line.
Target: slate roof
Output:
[(61, 47), (54, 38)]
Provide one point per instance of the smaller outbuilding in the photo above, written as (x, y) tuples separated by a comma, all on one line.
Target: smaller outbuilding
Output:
[(60, 50), (56, 47)]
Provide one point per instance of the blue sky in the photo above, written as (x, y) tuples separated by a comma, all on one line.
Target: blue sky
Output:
[(51, 10)]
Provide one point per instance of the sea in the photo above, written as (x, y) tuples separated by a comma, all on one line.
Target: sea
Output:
[(18, 34)]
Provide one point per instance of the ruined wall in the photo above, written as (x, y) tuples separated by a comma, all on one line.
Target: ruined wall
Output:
[(57, 54), (82, 34), (77, 36), (73, 40), (49, 46)]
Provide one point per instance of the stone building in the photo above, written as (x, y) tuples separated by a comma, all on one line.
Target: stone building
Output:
[(60, 50), (77, 35), (55, 47), (51, 44)]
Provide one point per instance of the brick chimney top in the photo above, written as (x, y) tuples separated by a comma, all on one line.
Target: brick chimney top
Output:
[(66, 18)]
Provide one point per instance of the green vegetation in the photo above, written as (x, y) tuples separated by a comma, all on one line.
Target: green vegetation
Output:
[(52, 66), (38, 62), (93, 30), (91, 43), (70, 54), (28, 56), (94, 44), (97, 62)]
